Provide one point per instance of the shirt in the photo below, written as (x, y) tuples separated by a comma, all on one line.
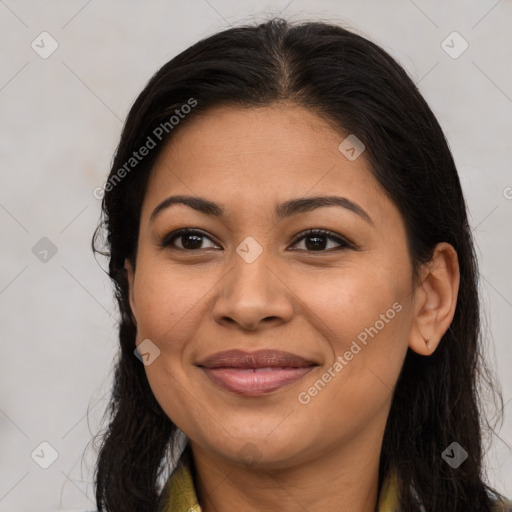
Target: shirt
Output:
[(179, 494)]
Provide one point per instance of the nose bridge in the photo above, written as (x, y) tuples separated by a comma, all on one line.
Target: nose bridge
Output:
[(251, 290), (249, 279)]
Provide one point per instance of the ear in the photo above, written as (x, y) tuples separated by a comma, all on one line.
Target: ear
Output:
[(130, 274), (435, 299)]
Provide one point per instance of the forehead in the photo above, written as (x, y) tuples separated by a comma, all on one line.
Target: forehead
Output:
[(263, 155)]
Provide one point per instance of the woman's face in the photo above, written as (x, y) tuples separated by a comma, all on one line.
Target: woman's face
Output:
[(251, 280)]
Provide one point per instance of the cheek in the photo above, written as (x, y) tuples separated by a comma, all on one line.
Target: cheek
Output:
[(171, 305), (169, 308), (364, 317), (352, 302), (169, 301)]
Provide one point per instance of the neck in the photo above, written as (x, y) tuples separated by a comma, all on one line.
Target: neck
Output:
[(344, 479)]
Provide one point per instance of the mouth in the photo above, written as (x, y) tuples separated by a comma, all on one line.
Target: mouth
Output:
[(255, 373)]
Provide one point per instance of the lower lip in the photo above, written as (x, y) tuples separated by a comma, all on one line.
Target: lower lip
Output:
[(249, 382)]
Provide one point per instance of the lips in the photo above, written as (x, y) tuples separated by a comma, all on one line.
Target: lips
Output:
[(255, 373)]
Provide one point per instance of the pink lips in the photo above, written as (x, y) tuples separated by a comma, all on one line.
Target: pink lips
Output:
[(255, 373)]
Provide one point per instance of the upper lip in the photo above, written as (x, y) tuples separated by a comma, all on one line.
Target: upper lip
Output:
[(258, 359)]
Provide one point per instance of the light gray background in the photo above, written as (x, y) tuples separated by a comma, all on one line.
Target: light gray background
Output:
[(61, 118)]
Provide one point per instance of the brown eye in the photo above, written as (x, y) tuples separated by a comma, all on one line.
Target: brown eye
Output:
[(191, 240), (316, 240)]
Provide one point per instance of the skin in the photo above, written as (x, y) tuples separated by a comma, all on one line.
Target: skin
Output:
[(311, 302)]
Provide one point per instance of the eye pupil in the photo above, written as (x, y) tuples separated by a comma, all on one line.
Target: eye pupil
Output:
[(319, 244), (197, 241)]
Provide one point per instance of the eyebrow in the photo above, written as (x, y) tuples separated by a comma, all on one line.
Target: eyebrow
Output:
[(283, 210)]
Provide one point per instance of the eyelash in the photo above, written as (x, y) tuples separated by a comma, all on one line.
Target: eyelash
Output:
[(319, 233)]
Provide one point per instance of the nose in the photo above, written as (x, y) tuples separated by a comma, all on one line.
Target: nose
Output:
[(253, 295)]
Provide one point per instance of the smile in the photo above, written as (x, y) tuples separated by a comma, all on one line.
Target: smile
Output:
[(256, 373)]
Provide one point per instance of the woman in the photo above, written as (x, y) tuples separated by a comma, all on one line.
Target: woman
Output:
[(297, 283)]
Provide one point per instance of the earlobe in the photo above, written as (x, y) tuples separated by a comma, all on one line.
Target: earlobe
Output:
[(435, 300)]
